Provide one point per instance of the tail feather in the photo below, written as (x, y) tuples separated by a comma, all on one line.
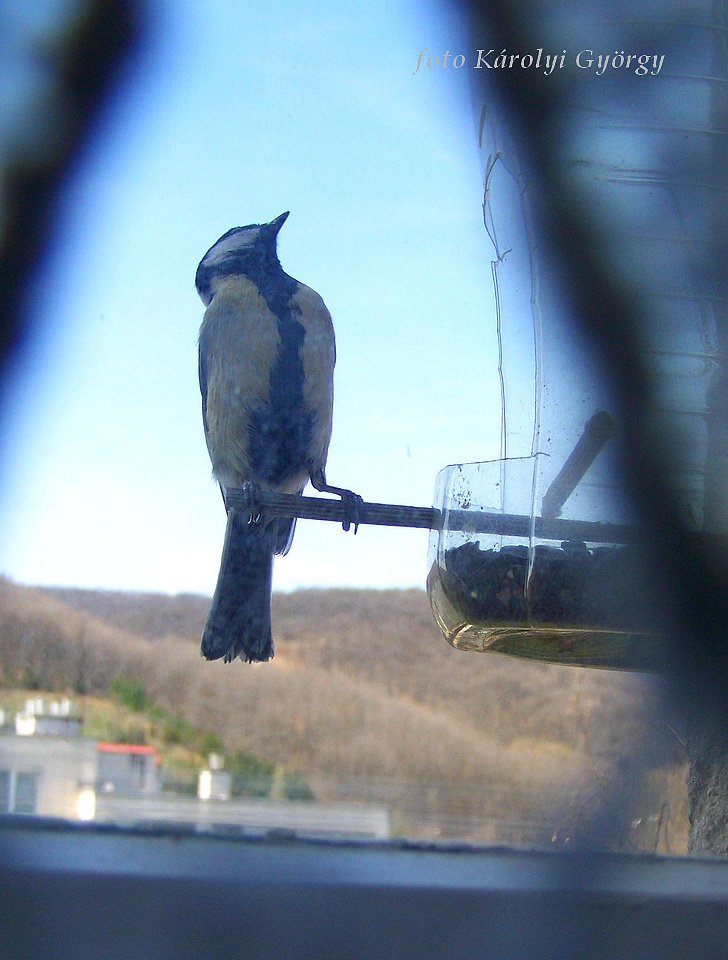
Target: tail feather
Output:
[(284, 534), (239, 623)]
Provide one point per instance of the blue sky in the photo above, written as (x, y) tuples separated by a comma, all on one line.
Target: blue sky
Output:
[(234, 113)]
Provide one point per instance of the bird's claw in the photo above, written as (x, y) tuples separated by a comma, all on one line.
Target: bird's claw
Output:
[(354, 505), (251, 500)]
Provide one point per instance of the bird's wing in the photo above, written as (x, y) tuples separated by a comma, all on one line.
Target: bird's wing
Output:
[(239, 343), (318, 355), (202, 376)]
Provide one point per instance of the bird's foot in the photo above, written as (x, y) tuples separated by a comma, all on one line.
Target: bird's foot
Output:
[(353, 503), (251, 500)]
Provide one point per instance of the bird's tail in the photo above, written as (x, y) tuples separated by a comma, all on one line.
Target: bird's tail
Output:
[(238, 624)]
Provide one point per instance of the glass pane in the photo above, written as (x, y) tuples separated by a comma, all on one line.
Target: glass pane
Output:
[(455, 345)]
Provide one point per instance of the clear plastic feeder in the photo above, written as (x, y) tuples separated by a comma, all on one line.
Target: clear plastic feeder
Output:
[(504, 578), (536, 557)]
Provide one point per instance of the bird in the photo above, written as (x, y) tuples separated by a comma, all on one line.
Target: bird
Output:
[(266, 354)]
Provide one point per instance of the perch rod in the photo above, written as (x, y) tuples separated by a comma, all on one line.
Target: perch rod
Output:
[(429, 518)]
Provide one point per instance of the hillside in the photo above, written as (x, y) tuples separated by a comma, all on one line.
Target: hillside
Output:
[(368, 700), (389, 638)]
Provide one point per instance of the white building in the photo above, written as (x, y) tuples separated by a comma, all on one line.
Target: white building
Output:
[(48, 774), (48, 769)]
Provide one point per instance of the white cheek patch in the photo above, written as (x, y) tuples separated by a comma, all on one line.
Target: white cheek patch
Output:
[(227, 245)]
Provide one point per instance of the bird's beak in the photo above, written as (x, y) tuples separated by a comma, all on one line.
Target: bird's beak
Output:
[(275, 225)]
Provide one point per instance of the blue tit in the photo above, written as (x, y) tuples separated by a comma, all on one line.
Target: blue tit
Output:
[(266, 369)]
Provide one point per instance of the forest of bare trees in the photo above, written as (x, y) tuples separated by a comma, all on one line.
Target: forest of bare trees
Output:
[(367, 700)]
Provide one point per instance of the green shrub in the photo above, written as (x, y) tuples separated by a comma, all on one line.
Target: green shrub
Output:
[(130, 692), (210, 743), (132, 735), (177, 730), (251, 776), (296, 787)]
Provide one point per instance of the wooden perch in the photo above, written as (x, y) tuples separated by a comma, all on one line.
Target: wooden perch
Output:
[(428, 518), (318, 508)]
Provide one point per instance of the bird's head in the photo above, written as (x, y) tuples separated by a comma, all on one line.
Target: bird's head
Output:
[(249, 251)]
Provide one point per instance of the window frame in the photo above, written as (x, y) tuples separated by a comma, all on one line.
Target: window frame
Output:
[(177, 892)]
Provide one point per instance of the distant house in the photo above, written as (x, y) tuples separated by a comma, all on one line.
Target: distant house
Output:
[(129, 769), (47, 768), (47, 774), (57, 721), (214, 783)]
